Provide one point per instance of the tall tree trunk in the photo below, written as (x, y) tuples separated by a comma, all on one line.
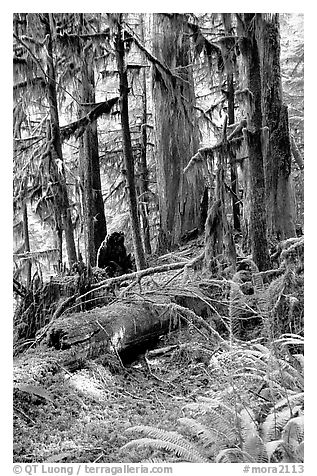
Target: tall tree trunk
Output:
[(27, 243), (59, 245), (228, 51), (95, 228), (25, 220), (127, 146), (233, 165), (144, 187), (176, 128), (253, 133), (56, 147), (277, 159)]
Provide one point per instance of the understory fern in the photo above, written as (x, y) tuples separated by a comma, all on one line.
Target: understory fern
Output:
[(166, 441), (226, 427)]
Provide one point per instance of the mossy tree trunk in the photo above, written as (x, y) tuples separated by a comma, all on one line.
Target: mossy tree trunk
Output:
[(228, 51), (27, 243), (144, 182), (176, 128), (253, 136), (56, 145), (277, 159), (127, 146), (25, 219), (95, 227)]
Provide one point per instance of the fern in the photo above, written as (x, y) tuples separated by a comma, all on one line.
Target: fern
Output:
[(274, 424), (293, 437), (227, 427), (272, 446), (166, 441), (255, 447), (247, 423), (206, 435), (233, 455)]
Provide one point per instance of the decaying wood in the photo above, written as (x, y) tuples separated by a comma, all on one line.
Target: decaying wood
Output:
[(109, 332), (120, 326), (138, 275), (163, 350)]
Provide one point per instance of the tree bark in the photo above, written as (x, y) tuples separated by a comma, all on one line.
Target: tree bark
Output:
[(228, 51), (233, 164), (277, 159), (95, 228), (122, 329), (258, 225), (176, 128), (127, 147), (144, 168), (57, 146), (27, 243)]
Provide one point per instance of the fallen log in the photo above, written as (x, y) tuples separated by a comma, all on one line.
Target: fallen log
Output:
[(118, 331), (115, 328)]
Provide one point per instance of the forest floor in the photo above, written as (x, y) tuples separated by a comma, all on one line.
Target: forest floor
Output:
[(84, 416), (93, 407)]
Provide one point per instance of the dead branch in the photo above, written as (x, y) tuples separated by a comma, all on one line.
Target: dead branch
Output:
[(164, 350), (77, 128), (138, 275)]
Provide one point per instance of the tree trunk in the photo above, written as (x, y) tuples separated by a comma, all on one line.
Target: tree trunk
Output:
[(123, 329), (258, 226), (228, 51), (233, 165), (27, 244), (277, 159), (176, 128), (25, 221), (56, 148), (144, 169), (94, 213), (127, 147), (59, 246), (95, 228)]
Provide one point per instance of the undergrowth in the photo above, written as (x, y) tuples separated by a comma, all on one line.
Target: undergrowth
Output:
[(257, 417), (258, 414)]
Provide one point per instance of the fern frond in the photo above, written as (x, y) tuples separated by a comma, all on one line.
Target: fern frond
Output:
[(189, 455), (290, 339), (293, 433), (204, 408), (247, 423), (255, 447), (216, 402), (274, 424), (272, 446), (170, 436), (299, 453), (287, 375), (261, 348), (153, 432), (207, 436), (290, 399), (220, 423), (233, 455)]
